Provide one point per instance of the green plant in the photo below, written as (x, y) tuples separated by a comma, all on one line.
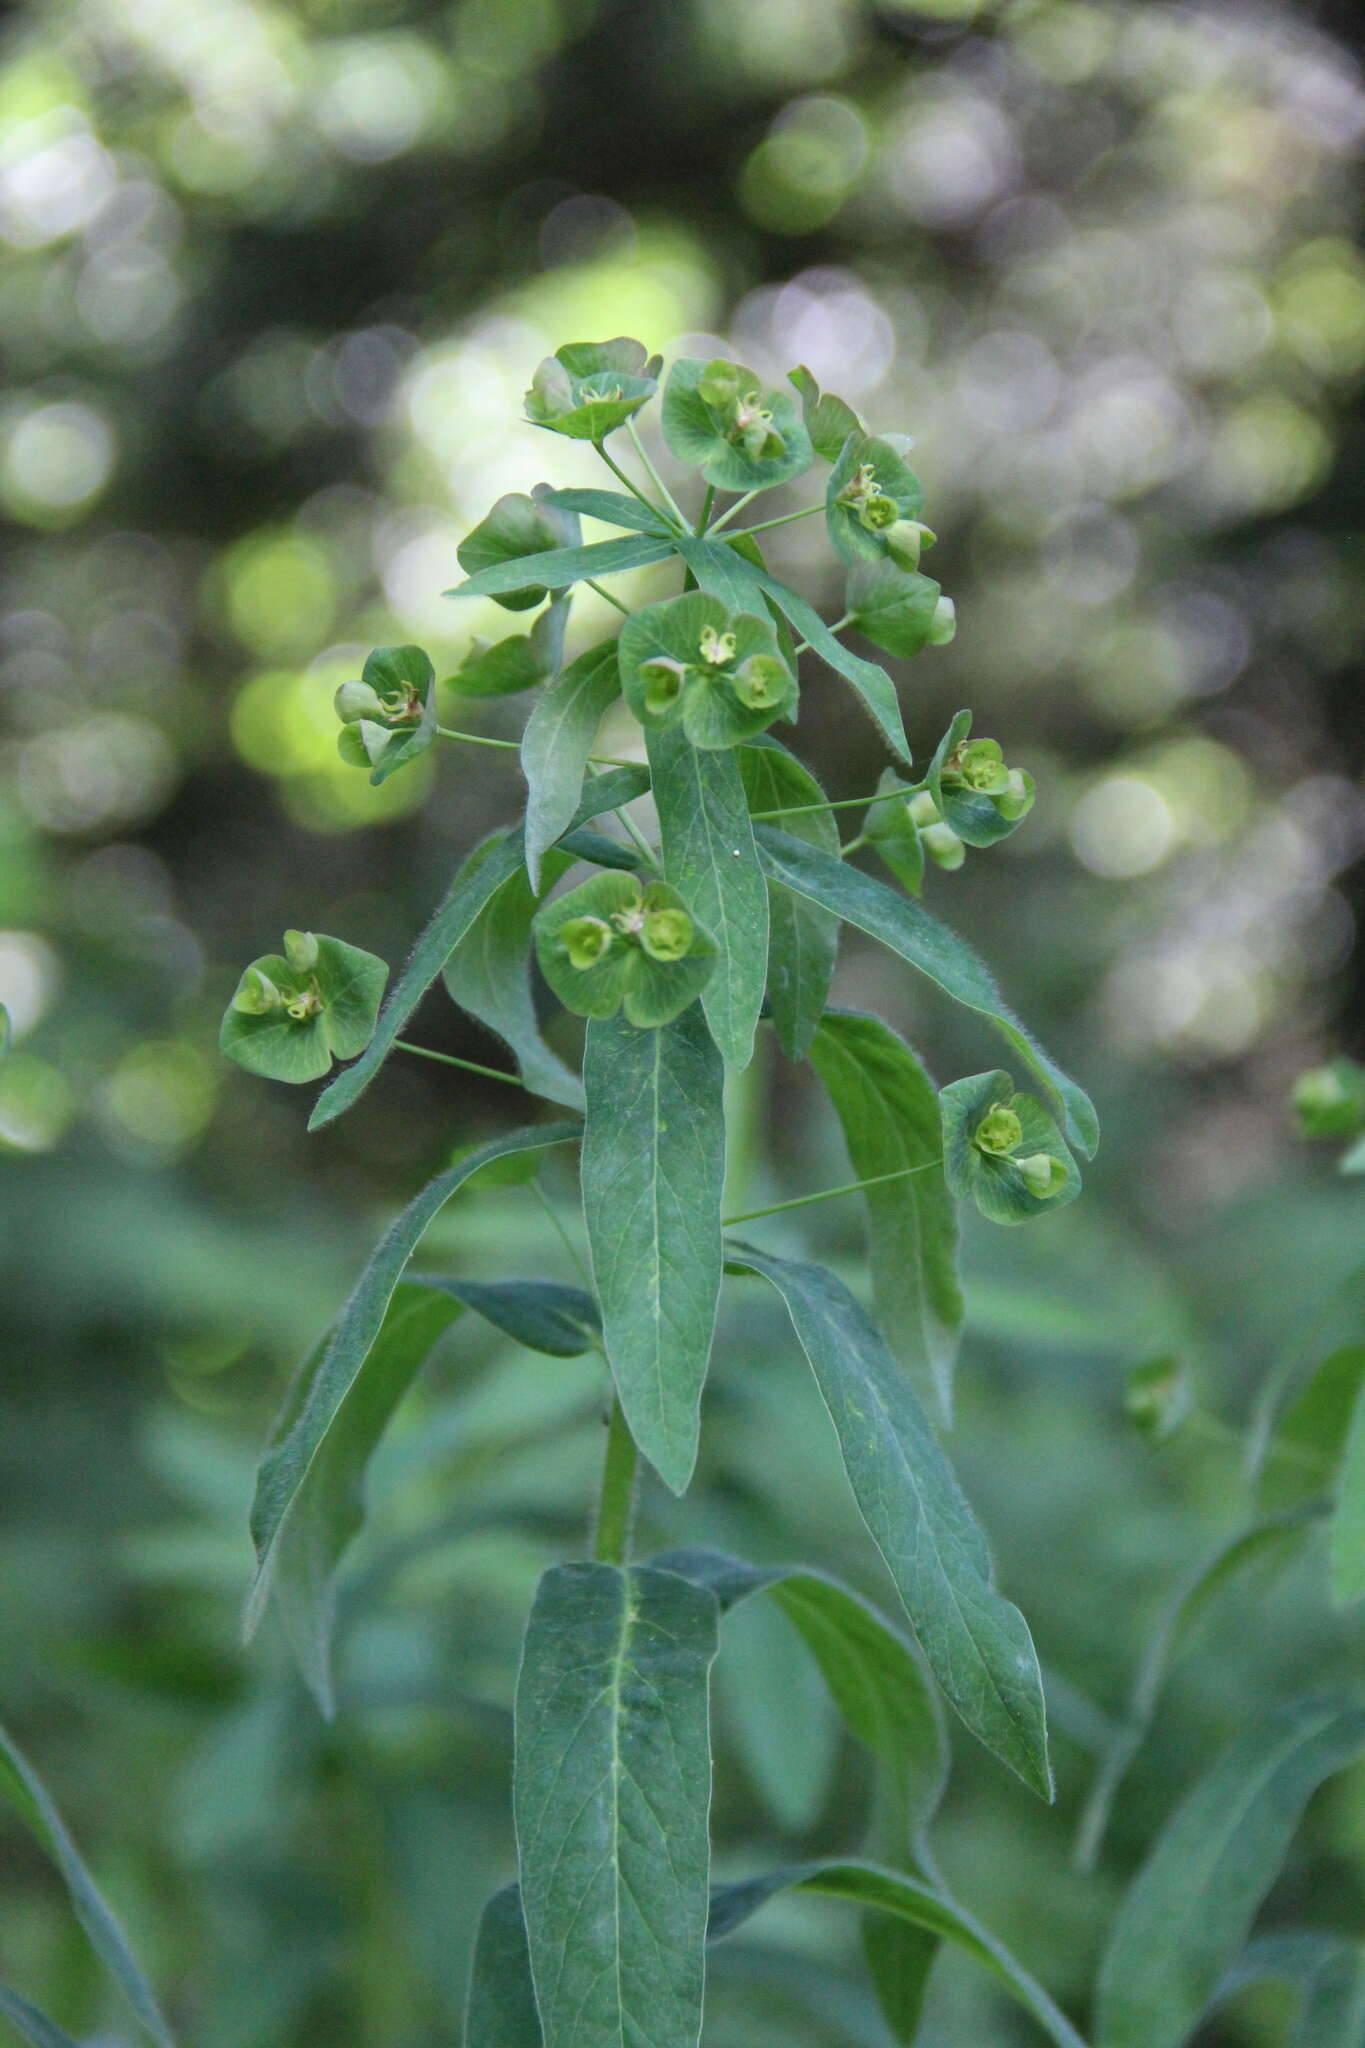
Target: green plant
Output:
[(676, 954)]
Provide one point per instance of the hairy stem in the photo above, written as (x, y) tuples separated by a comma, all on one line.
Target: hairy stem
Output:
[(843, 803), (448, 1059), (478, 739), (783, 519), (616, 1498), (850, 1187)]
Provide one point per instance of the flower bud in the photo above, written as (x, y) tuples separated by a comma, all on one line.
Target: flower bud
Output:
[(905, 539), (981, 764), (256, 994), (301, 951), (663, 680), (923, 810), (718, 384), (1015, 800), (586, 940), (998, 1132), (943, 626), (666, 934), (1042, 1175), (943, 846), (357, 700), (761, 681)]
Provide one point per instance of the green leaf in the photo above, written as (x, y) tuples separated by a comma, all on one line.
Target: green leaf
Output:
[(907, 929), (320, 1406), (1327, 1973), (35, 2026), (889, 1111), (24, 1791), (891, 606), (520, 662), (556, 744), (1188, 1911), (544, 1315), (999, 1148), (1348, 1521), (294, 1012), (710, 857), (614, 943), (690, 661), (715, 439), (803, 941), (501, 2012), (607, 792), (614, 508), (886, 1891), (588, 389), (1304, 1454), (977, 1644), (1270, 1543), (891, 830), (653, 1172), (488, 974), (562, 566), (721, 570), (829, 420), (518, 527), (872, 683), (494, 861), (612, 1790)]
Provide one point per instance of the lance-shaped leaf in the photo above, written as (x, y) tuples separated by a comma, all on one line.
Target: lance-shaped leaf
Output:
[(1303, 1459), (909, 930), (1264, 1547), (710, 858), (977, 1643), (1348, 1520), (612, 1792), (724, 568), (717, 416), (803, 940), (562, 566), (923, 1905), (314, 1411), (22, 1789), (517, 528), (556, 744), (614, 508), (501, 2012), (1325, 1971), (494, 861), (488, 975), (519, 662), (653, 1175), (889, 1110), (829, 419), (1187, 1913), (35, 2026)]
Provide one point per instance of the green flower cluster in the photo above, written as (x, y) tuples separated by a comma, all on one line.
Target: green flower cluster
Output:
[(614, 943)]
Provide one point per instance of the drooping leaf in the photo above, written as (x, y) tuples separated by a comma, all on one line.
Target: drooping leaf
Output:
[(612, 1791), (889, 1111), (494, 861), (907, 929), (517, 528), (653, 1172), (488, 974), (1304, 1454), (556, 744), (976, 1642), (803, 940), (616, 943), (741, 437), (521, 661), (562, 566), (710, 858), (35, 2026), (1348, 1520), (544, 1315), (723, 569), (614, 508), (890, 828), (1188, 1911), (321, 1406), (887, 1891), (23, 1790), (295, 1012), (1266, 1545), (501, 2012)]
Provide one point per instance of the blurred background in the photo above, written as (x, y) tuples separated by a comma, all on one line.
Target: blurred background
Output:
[(275, 277)]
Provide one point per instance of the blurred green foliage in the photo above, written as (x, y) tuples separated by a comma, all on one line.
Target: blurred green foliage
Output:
[(275, 277)]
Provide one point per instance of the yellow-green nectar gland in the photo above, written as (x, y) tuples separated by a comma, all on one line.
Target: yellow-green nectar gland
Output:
[(716, 649), (981, 766), (304, 1003), (998, 1132), (666, 934), (761, 682), (586, 940)]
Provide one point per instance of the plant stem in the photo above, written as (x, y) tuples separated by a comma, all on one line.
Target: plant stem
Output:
[(561, 1232), (477, 739), (852, 845), (843, 803), (616, 1499), (624, 609), (851, 1187), (652, 473), (614, 466), (448, 1059), (707, 502), (738, 506), (637, 837), (803, 646), (783, 519)]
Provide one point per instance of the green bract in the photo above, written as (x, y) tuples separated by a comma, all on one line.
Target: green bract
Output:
[(872, 504), (829, 420), (718, 417), (978, 795), (522, 661), (294, 1013), (516, 527), (589, 388), (613, 942), (1004, 1151), (721, 675), (388, 718), (1330, 1101), (896, 608)]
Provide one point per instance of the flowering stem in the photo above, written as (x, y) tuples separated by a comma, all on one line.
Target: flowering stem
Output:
[(827, 1194), (478, 739), (448, 1059), (738, 506), (652, 473), (616, 1499), (784, 519), (624, 609), (843, 803), (707, 502), (614, 466), (803, 646)]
